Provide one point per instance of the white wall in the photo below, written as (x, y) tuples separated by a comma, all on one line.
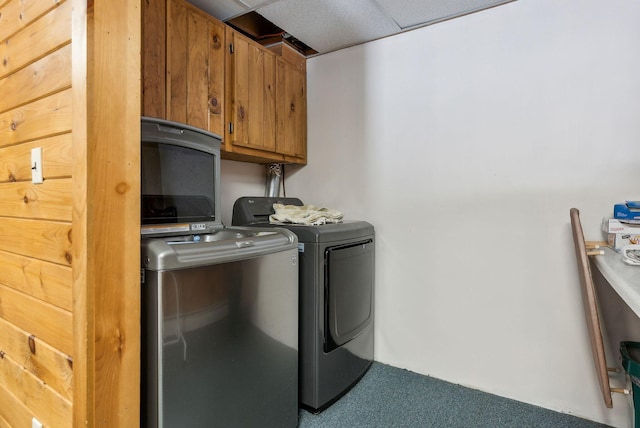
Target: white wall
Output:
[(466, 143), (239, 179)]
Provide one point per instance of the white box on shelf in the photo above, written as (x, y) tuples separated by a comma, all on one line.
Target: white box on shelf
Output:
[(620, 234)]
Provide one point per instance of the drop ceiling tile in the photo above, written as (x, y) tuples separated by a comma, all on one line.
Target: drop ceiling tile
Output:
[(328, 25), (254, 4), (221, 9), (411, 13)]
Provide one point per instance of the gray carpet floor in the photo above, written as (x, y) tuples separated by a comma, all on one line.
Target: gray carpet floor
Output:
[(391, 397)]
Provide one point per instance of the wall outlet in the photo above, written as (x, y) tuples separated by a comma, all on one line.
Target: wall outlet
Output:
[(36, 165), (36, 423)]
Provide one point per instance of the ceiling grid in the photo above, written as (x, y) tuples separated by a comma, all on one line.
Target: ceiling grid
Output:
[(329, 25)]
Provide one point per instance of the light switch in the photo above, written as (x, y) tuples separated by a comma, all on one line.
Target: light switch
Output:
[(36, 165)]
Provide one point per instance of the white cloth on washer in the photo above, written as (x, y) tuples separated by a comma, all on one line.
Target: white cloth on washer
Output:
[(305, 214)]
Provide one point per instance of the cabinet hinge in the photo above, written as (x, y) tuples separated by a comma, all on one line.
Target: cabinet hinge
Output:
[(230, 127), (230, 48)]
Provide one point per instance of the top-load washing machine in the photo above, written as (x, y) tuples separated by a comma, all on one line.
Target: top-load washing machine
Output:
[(219, 305), (336, 316)]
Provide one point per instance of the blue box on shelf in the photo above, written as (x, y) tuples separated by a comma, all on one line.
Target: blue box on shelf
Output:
[(627, 211)]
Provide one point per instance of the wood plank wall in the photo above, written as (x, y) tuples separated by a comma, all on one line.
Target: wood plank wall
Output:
[(106, 216), (36, 323), (69, 289)]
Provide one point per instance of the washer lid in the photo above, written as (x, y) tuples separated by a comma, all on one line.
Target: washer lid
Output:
[(180, 178), (328, 233), (257, 209), (226, 245)]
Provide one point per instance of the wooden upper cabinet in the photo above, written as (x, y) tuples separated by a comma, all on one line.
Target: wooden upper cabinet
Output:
[(154, 50), (215, 99), (195, 68), (266, 99), (291, 110), (251, 94), (199, 71)]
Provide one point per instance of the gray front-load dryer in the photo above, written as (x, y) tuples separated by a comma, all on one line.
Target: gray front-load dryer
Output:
[(336, 278)]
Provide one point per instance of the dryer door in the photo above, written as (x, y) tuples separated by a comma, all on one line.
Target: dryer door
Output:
[(349, 273)]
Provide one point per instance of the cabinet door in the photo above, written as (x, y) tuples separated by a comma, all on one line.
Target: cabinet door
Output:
[(291, 110), (154, 32), (197, 84), (195, 68), (252, 84), (177, 58), (215, 100)]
